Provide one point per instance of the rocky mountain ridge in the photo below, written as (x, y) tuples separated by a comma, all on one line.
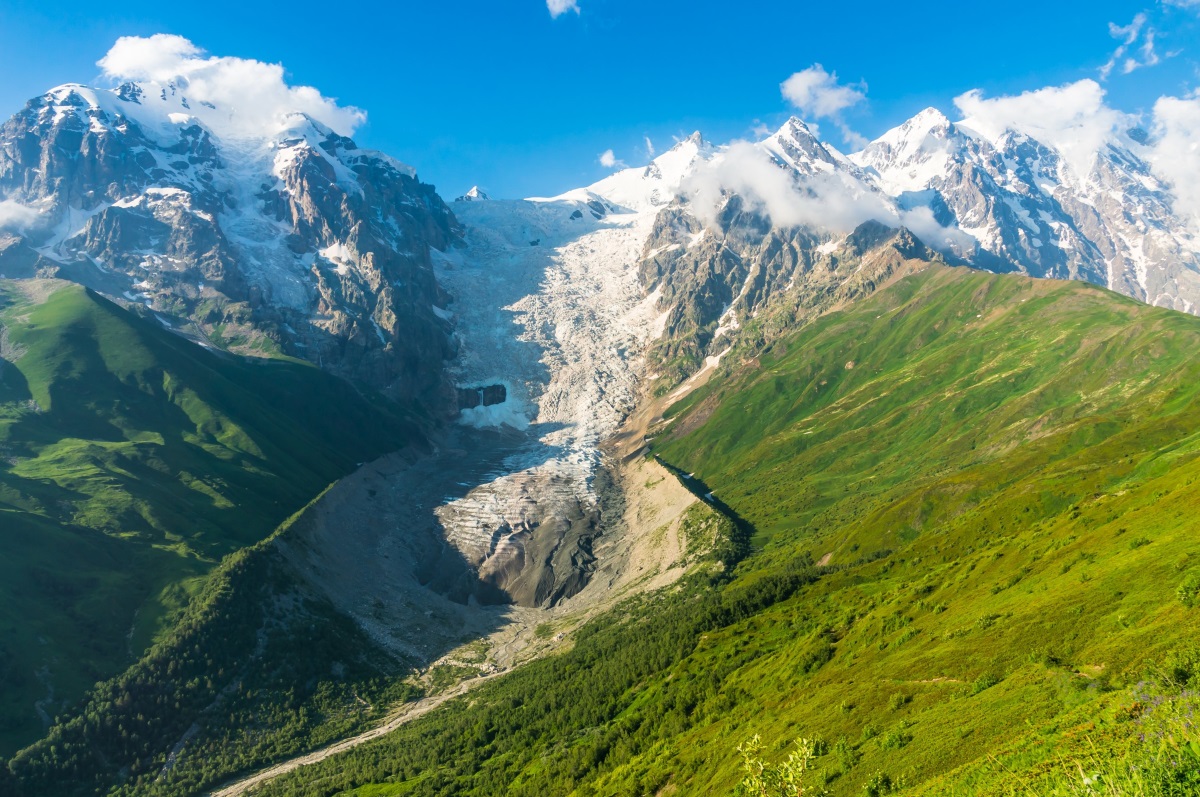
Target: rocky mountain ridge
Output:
[(291, 239), (744, 228)]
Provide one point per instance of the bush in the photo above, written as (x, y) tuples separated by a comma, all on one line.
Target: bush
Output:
[(774, 780), (1180, 668), (985, 681), (879, 785), (1189, 590)]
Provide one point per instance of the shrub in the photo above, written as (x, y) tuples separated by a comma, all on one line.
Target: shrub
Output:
[(775, 780), (1189, 590), (896, 738), (985, 681), (879, 784)]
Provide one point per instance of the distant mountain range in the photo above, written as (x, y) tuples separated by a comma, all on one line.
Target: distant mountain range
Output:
[(294, 239)]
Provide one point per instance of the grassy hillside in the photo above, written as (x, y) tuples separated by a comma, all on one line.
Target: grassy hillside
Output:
[(131, 461), (975, 572), (255, 670)]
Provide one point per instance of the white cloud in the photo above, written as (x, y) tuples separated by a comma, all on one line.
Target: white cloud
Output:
[(818, 95), (745, 170), (16, 217), (608, 160), (823, 201), (560, 7), (931, 232), (1072, 118), (1127, 36), (649, 146), (252, 98), (1076, 119), (1176, 152), (1182, 3)]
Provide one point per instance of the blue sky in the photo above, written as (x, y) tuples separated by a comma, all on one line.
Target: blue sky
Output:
[(504, 95)]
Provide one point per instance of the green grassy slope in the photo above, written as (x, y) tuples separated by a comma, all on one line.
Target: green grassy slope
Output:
[(974, 501), (131, 461), (256, 669)]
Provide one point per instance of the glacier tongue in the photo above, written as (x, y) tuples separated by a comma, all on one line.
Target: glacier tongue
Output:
[(548, 303)]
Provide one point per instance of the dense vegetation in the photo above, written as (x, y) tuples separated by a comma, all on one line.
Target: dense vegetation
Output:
[(976, 564), (131, 462), (256, 670)]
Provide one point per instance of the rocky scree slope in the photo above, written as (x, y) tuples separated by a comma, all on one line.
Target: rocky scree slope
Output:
[(292, 239)]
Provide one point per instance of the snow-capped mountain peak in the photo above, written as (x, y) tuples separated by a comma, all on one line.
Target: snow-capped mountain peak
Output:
[(658, 183), (1088, 209), (476, 194), (796, 146), (267, 220), (909, 156)]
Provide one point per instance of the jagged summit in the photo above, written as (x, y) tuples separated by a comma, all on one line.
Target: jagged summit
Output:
[(796, 146), (263, 223), (658, 183), (1047, 211), (476, 194)]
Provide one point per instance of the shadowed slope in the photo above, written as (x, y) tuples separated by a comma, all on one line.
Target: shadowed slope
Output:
[(133, 460)]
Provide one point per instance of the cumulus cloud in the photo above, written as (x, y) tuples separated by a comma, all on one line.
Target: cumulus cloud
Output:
[(609, 161), (15, 217), (1176, 152), (1127, 36), (747, 171), (931, 232), (251, 98), (823, 201), (817, 94), (560, 7), (1077, 120), (1073, 118)]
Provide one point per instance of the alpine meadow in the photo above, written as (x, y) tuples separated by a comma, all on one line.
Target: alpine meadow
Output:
[(845, 449)]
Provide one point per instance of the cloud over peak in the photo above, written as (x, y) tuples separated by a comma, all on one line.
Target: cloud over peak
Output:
[(251, 98), (1073, 118), (817, 94)]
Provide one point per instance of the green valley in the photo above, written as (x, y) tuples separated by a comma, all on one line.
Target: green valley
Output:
[(973, 511), (133, 460)]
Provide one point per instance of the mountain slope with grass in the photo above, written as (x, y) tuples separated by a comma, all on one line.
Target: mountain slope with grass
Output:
[(969, 501), (131, 461)]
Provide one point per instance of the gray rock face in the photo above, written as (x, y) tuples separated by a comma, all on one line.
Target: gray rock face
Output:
[(296, 241), (1105, 219), (1007, 203), (749, 281)]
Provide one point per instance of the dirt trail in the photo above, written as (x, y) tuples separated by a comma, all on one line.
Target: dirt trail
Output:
[(644, 550), (408, 713)]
